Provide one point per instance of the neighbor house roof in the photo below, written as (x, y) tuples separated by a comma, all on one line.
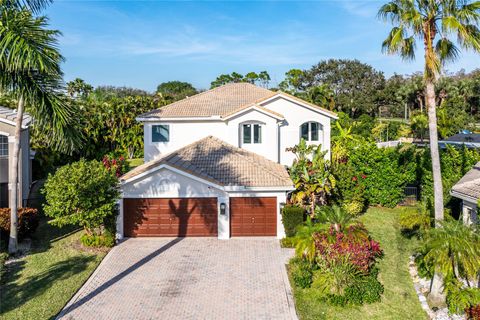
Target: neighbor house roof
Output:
[(469, 186), (221, 163), (10, 116), (222, 102), (462, 137)]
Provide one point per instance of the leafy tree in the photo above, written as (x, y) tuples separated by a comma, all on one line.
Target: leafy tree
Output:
[(176, 90), (311, 176), (321, 96), (262, 78), (83, 193), (78, 88), (355, 84), (30, 72), (419, 125), (293, 81)]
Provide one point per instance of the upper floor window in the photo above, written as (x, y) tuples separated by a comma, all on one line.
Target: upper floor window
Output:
[(161, 133), (252, 133), (3, 146), (310, 131)]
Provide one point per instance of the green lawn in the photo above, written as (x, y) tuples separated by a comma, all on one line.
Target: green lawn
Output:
[(40, 284), (399, 300)]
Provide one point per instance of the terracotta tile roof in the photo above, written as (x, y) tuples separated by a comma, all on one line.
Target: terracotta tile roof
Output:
[(224, 101), (11, 115), (469, 185), (219, 162), (219, 101)]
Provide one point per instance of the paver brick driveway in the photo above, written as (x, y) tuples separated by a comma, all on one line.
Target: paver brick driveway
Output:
[(187, 278)]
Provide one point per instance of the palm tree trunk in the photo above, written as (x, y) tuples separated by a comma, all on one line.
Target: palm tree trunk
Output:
[(434, 152), (436, 296), (13, 241)]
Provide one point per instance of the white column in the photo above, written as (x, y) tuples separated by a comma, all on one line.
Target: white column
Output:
[(119, 233), (281, 200), (223, 219)]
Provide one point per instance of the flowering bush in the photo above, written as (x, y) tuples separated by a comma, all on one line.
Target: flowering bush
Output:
[(116, 166), (27, 221), (354, 243)]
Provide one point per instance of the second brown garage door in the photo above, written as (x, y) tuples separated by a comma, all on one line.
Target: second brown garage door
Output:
[(253, 216), (170, 217)]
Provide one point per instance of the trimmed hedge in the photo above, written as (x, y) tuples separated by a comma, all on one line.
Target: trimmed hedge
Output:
[(27, 221), (292, 216)]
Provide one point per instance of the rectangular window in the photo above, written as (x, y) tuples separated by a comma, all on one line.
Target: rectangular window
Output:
[(314, 131), (247, 133), (304, 131), (3, 147), (257, 133), (161, 133)]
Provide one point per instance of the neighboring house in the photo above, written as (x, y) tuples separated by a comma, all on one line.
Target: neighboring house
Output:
[(469, 140), (468, 190), (7, 138), (215, 163)]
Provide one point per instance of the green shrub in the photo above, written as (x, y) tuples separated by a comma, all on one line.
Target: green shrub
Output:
[(337, 300), (354, 207), (460, 299), (27, 221), (292, 217), (94, 240), (83, 193), (288, 242), (301, 272)]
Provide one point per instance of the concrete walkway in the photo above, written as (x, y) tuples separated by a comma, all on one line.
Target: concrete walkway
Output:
[(188, 278)]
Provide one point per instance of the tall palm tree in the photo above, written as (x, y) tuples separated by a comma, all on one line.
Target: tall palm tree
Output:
[(30, 70), (437, 24)]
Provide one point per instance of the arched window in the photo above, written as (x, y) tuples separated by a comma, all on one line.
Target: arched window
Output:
[(251, 132), (3, 146), (310, 131)]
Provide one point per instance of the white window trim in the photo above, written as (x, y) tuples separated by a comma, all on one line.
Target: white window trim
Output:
[(319, 130), (252, 132), (164, 125)]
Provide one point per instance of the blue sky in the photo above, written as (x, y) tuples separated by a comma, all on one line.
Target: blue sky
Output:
[(143, 43)]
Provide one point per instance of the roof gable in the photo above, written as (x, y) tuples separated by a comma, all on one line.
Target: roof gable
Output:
[(216, 161), (223, 101)]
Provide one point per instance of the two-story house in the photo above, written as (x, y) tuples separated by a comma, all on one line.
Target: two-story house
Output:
[(7, 138), (215, 163)]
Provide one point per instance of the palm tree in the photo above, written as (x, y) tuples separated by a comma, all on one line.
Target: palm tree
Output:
[(434, 23), (30, 70)]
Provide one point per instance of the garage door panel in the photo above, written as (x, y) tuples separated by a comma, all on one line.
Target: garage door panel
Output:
[(253, 216), (170, 217)]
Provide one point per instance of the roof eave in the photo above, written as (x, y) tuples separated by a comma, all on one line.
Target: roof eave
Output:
[(463, 196)]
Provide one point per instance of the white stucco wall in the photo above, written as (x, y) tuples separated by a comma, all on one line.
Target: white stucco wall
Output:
[(268, 147), (182, 133), (295, 115), (275, 140), (469, 212)]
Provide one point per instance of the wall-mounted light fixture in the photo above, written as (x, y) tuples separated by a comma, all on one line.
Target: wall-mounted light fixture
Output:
[(223, 208), (282, 205)]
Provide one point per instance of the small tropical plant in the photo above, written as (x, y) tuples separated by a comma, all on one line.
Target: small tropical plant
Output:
[(311, 175), (305, 243), (453, 250), (336, 216)]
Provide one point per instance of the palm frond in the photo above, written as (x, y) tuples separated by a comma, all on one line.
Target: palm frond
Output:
[(26, 44), (33, 5), (446, 50)]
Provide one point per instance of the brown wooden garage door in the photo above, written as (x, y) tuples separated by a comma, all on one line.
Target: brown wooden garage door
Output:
[(253, 216), (170, 217)]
